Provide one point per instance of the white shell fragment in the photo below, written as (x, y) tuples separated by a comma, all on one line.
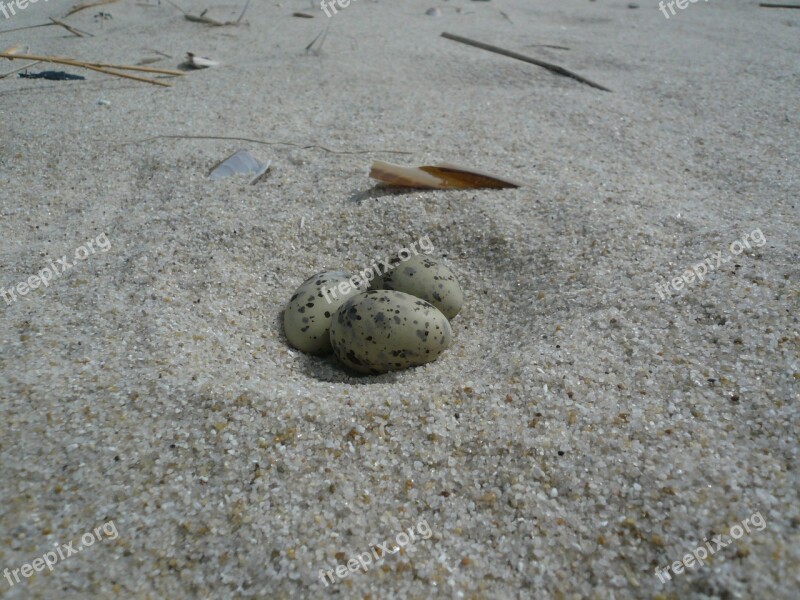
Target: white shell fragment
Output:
[(442, 176), (200, 62), (240, 162)]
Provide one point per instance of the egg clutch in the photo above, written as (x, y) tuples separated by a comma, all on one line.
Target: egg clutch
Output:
[(402, 321)]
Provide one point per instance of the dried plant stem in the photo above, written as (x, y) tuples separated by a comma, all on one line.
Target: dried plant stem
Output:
[(72, 30), (103, 68), (22, 68), (201, 18), (539, 63), (206, 20), (26, 27), (124, 75), (244, 10), (145, 69), (81, 63), (262, 142), (80, 7)]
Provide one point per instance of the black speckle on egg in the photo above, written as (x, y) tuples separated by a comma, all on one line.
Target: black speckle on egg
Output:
[(353, 358)]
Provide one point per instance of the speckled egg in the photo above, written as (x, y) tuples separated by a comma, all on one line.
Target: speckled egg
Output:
[(307, 317), (423, 277), (384, 330)]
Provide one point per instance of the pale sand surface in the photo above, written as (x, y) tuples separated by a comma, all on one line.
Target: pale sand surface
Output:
[(580, 432)]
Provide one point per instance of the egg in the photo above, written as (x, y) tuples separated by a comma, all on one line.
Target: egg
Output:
[(423, 277), (307, 317), (384, 330)]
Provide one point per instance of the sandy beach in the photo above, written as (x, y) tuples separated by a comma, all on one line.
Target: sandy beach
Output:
[(622, 386)]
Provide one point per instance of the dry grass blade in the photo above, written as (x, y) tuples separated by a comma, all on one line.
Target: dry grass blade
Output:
[(22, 68), (102, 68), (314, 40), (443, 176), (201, 18), (322, 34), (206, 20), (85, 5), (244, 10), (547, 46), (124, 75), (72, 30), (539, 63), (139, 68), (263, 142), (176, 6), (27, 27)]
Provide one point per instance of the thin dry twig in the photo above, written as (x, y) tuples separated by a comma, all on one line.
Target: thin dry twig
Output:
[(201, 18), (324, 35), (101, 67), (72, 30), (176, 6), (125, 75), (547, 46), (768, 5), (539, 63), (27, 27), (206, 20), (314, 40), (54, 22), (244, 10), (85, 5), (22, 68), (262, 142)]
